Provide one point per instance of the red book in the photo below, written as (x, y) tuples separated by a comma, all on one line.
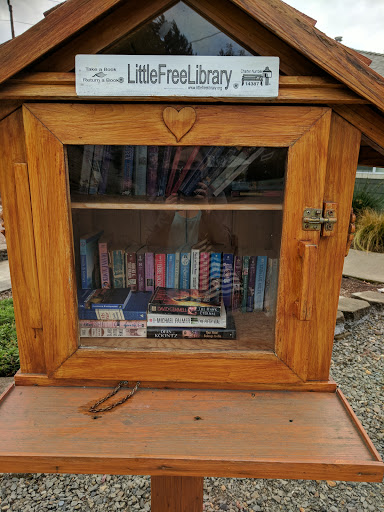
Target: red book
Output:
[(160, 269), (204, 271), (186, 168), (175, 164)]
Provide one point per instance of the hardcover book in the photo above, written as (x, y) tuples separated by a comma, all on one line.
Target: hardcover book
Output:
[(195, 332), (110, 299), (170, 320), (89, 260), (136, 309), (184, 302), (261, 271)]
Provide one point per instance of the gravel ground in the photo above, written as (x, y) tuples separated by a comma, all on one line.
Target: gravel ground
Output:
[(357, 367)]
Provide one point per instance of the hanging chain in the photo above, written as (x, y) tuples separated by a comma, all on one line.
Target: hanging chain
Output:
[(121, 384)]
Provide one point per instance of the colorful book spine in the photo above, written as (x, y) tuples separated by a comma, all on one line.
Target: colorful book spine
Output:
[(271, 281), (107, 315), (226, 333), (128, 161), (195, 263), (89, 261), (185, 268), (113, 332), (140, 176), (153, 160), (171, 268), (123, 324), (177, 270), (251, 284), (140, 265), (131, 270), (236, 286), (244, 275), (149, 271), (165, 170), (204, 271), (95, 178), (261, 272), (163, 320), (215, 271), (105, 276), (86, 169), (160, 269), (226, 284), (172, 175), (118, 268)]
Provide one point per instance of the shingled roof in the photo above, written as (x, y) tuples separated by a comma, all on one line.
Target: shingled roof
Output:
[(377, 61)]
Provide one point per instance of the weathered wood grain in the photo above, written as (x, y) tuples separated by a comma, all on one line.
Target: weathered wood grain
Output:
[(181, 493)]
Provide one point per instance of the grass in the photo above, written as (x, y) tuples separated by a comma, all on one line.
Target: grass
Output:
[(370, 231), (9, 353)]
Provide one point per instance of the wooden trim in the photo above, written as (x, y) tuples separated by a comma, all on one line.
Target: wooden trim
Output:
[(107, 124), (7, 391), (7, 107), (18, 219), (22, 379), (181, 493), (281, 20)]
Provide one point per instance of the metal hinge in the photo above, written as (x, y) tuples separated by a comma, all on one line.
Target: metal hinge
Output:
[(315, 219)]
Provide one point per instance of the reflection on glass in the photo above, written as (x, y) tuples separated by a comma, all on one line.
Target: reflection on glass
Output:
[(178, 31)]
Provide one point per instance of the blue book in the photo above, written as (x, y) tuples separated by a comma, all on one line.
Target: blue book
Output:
[(227, 278), (185, 267), (89, 260), (118, 267), (110, 298), (215, 271), (170, 270), (83, 297), (261, 272), (136, 309)]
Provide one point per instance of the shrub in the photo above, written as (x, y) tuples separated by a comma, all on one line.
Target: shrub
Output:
[(9, 353), (368, 194), (370, 231)]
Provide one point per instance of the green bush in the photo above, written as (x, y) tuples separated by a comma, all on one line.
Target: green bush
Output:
[(370, 231), (9, 353), (368, 194)]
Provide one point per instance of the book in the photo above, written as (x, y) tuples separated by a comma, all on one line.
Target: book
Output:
[(184, 302), (201, 171), (215, 270), (170, 269), (163, 178), (236, 284), (136, 309), (227, 277), (177, 268), (153, 157), (131, 266), (110, 298), (195, 263), (128, 163), (140, 266), (95, 178), (122, 324), (271, 282), (105, 269), (185, 169), (170, 320), (251, 284), (185, 267), (195, 332), (244, 279), (113, 332), (89, 260), (261, 271), (117, 257), (83, 297), (149, 270), (140, 174), (172, 174), (160, 267), (104, 169), (86, 168), (204, 270)]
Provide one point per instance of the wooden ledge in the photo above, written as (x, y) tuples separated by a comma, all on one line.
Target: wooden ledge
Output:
[(256, 434)]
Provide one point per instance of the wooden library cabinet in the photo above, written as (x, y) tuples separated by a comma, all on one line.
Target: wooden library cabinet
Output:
[(146, 176)]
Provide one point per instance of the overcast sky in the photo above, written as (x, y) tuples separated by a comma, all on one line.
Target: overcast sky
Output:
[(359, 22)]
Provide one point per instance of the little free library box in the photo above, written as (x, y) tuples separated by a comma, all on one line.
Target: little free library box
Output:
[(178, 209)]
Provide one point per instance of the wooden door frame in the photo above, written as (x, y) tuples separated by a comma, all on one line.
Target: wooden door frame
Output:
[(48, 127)]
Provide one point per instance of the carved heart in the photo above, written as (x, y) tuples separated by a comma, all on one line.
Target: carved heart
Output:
[(179, 122)]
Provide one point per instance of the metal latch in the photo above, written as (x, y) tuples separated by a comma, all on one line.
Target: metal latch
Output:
[(315, 219)]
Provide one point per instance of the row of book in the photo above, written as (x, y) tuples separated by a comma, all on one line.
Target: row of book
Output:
[(167, 313), (165, 170), (245, 282)]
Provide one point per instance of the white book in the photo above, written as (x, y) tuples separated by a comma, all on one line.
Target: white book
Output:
[(161, 320), (113, 332)]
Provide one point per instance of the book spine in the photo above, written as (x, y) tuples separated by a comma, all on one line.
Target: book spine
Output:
[(95, 178), (195, 263), (251, 284), (261, 271), (123, 324), (86, 169), (105, 165), (201, 171), (185, 270), (236, 286), (104, 265), (83, 263), (160, 270), (141, 171), (196, 333), (245, 274), (149, 272), (185, 170), (112, 332), (171, 266), (165, 170), (185, 310), (175, 164), (270, 293), (131, 270), (215, 271), (140, 262), (127, 184), (118, 270), (177, 270), (153, 159), (186, 321), (204, 271), (108, 314), (227, 278)]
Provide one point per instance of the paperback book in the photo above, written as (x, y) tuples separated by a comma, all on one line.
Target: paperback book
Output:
[(171, 320), (197, 333), (184, 302), (89, 260)]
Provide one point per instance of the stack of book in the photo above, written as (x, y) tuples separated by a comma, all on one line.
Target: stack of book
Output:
[(175, 313)]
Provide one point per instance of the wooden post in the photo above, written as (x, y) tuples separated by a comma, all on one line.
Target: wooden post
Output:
[(176, 494)]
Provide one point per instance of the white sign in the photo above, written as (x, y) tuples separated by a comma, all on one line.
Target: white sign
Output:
[(174, 75)]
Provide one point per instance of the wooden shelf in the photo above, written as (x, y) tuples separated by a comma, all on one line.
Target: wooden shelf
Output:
[(108, 202), (255, 332)]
